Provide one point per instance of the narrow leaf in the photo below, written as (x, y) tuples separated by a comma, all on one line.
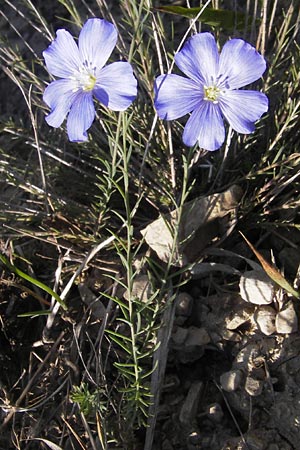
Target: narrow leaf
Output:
[(35, 313), (49, 443), (272, 272), (33, 281), (118, 335)]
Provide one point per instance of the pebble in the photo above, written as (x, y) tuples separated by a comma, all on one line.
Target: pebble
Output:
[(253, 386), (197, 336), (184, 304), (190, 337), (265, 318), (215, 412), (179, 336), (231, 380), (240, 318), (194, 438), (286, 320), (141, 289), (256, 287), (229, 335), (189, 408)]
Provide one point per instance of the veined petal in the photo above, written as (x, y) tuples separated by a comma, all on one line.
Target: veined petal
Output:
[(62, 56), (97, 40), (176, 96), (199, 58), (240, 64), (59, 96), (81, 117), (205, 126), (242, 108), (116, 86)]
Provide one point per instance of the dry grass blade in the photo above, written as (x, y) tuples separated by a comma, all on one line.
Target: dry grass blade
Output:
[(272, 272)]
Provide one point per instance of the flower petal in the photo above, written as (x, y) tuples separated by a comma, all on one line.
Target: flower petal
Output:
[(97, 40), (59, 96), (81, 117), (62, 56), (242, 108), (205, 126), (199, 58), (240, 64), (116, 86), (176, 96)]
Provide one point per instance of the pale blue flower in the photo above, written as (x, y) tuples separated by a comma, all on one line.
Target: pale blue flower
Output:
[(82, 72), (211, 91)]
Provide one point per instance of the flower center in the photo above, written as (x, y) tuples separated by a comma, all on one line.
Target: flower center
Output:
[(85, 77), (86, 81), (211, 93)]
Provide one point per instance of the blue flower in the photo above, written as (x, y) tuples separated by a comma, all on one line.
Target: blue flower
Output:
[(82, 72), (212, 92)]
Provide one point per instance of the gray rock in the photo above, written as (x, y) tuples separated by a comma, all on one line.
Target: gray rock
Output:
[(179, 336), (141, 289), (231, 380), (189, 408), (197, 336), (215, 412), (265, 318), (256, 287), (253, 386), (184, 304), (286, 320)]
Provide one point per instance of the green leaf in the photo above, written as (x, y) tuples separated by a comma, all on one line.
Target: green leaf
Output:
[(36, 313), (118, 335), (220, 18), (127, 373), (33, 281)]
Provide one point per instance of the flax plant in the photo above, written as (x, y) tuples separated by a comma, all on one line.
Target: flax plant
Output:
[(72, 213)]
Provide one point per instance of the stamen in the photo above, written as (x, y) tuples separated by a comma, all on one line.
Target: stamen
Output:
[(211, 93), (85, 78)]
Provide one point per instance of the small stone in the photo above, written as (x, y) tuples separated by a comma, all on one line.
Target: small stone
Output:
[(215, 412), (256, 287), (184, 304), (197, 336), (179, 336), (240, 318), (231, 380), (141, 289), (194, 438), (286, 320), (198, 226), (230, 335), (253, 386), (265, 318), (189, 408), (188, 355), (180, 320)]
